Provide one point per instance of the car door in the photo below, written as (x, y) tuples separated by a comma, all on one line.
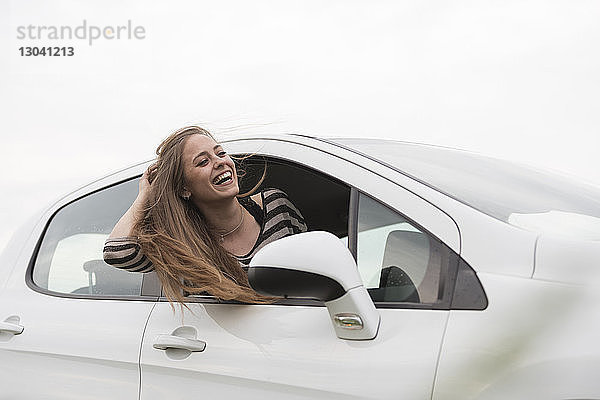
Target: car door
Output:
[(290, 350), (70, 325)]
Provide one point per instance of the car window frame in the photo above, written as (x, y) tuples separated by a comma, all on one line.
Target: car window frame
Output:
[(150, 288)]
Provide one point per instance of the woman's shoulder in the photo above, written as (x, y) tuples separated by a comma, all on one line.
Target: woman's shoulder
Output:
[(267, 193), (270, 195), (272, 202), (276, 201), (282, 217)]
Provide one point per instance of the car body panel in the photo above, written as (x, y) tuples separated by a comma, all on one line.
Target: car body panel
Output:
[(536, 339), (15, 248), (69, 348), (292, 352), (566, 260)]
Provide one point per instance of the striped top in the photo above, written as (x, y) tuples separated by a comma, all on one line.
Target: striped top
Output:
[(277, 218)]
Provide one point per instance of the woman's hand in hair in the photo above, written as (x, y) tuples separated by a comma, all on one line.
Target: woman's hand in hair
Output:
[(124, 226), (150, 173), (140, 202), (146, 181)]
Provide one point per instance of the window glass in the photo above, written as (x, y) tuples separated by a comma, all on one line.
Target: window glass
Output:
[(70, 256), (397, 261)]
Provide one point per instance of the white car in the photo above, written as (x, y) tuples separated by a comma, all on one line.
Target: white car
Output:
[(476, 278)]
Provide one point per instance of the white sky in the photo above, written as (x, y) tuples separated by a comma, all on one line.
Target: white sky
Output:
[(514, 79)]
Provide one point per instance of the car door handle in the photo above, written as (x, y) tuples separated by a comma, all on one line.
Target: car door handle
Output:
[(164, 342), (9, 327)]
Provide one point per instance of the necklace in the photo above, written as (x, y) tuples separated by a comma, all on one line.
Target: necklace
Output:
[(234, 229)]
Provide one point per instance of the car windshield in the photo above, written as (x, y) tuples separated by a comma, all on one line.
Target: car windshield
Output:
[(520, 195)]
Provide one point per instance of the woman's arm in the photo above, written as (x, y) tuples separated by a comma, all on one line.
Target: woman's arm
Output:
[(121, 249), (125, 253), (279, 210), (124, 226)]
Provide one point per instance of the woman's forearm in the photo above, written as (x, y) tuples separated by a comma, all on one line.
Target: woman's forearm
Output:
[(124, 226)]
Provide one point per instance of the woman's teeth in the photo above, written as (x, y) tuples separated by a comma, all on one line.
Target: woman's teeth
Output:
[(224, 177)]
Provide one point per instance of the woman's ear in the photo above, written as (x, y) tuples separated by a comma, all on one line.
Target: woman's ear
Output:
[(186, 194)]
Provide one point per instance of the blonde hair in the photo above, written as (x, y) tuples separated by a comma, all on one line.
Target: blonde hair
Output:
[(176, 238)]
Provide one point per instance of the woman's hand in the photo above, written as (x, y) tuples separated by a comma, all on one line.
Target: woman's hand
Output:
[(146, 181), (124, 226), (144, 186)]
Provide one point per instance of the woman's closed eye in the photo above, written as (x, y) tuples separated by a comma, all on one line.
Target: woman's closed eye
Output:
[(201, 162)]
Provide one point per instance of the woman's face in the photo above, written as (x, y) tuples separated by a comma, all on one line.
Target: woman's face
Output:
[(209, 173)]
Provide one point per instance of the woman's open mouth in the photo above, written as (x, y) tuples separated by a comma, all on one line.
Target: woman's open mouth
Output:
[(223, 179)]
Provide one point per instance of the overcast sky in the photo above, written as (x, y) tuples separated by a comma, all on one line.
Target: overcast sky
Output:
[(513, 79)]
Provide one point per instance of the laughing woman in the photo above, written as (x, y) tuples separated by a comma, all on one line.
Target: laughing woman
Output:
[(190, 224)]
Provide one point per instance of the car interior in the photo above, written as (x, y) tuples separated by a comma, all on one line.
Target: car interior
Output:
[(322, 200)]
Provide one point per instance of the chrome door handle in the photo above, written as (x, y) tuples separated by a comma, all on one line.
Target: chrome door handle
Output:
[(9, 327), (164, 342)]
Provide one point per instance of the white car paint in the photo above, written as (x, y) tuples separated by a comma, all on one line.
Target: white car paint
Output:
[(270, 351)]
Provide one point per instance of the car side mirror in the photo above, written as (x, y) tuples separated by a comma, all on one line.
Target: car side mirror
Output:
[(317, 265)]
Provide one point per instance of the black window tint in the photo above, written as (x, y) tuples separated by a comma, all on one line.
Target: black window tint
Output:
[(69, 259)]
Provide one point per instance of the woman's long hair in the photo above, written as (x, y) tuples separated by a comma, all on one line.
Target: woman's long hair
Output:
[(175, 237)]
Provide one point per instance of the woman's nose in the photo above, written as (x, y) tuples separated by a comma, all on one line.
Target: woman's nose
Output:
[(218, 163)]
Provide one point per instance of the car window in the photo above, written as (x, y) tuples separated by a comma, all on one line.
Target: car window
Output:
[(69, 259), (398, 261)]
